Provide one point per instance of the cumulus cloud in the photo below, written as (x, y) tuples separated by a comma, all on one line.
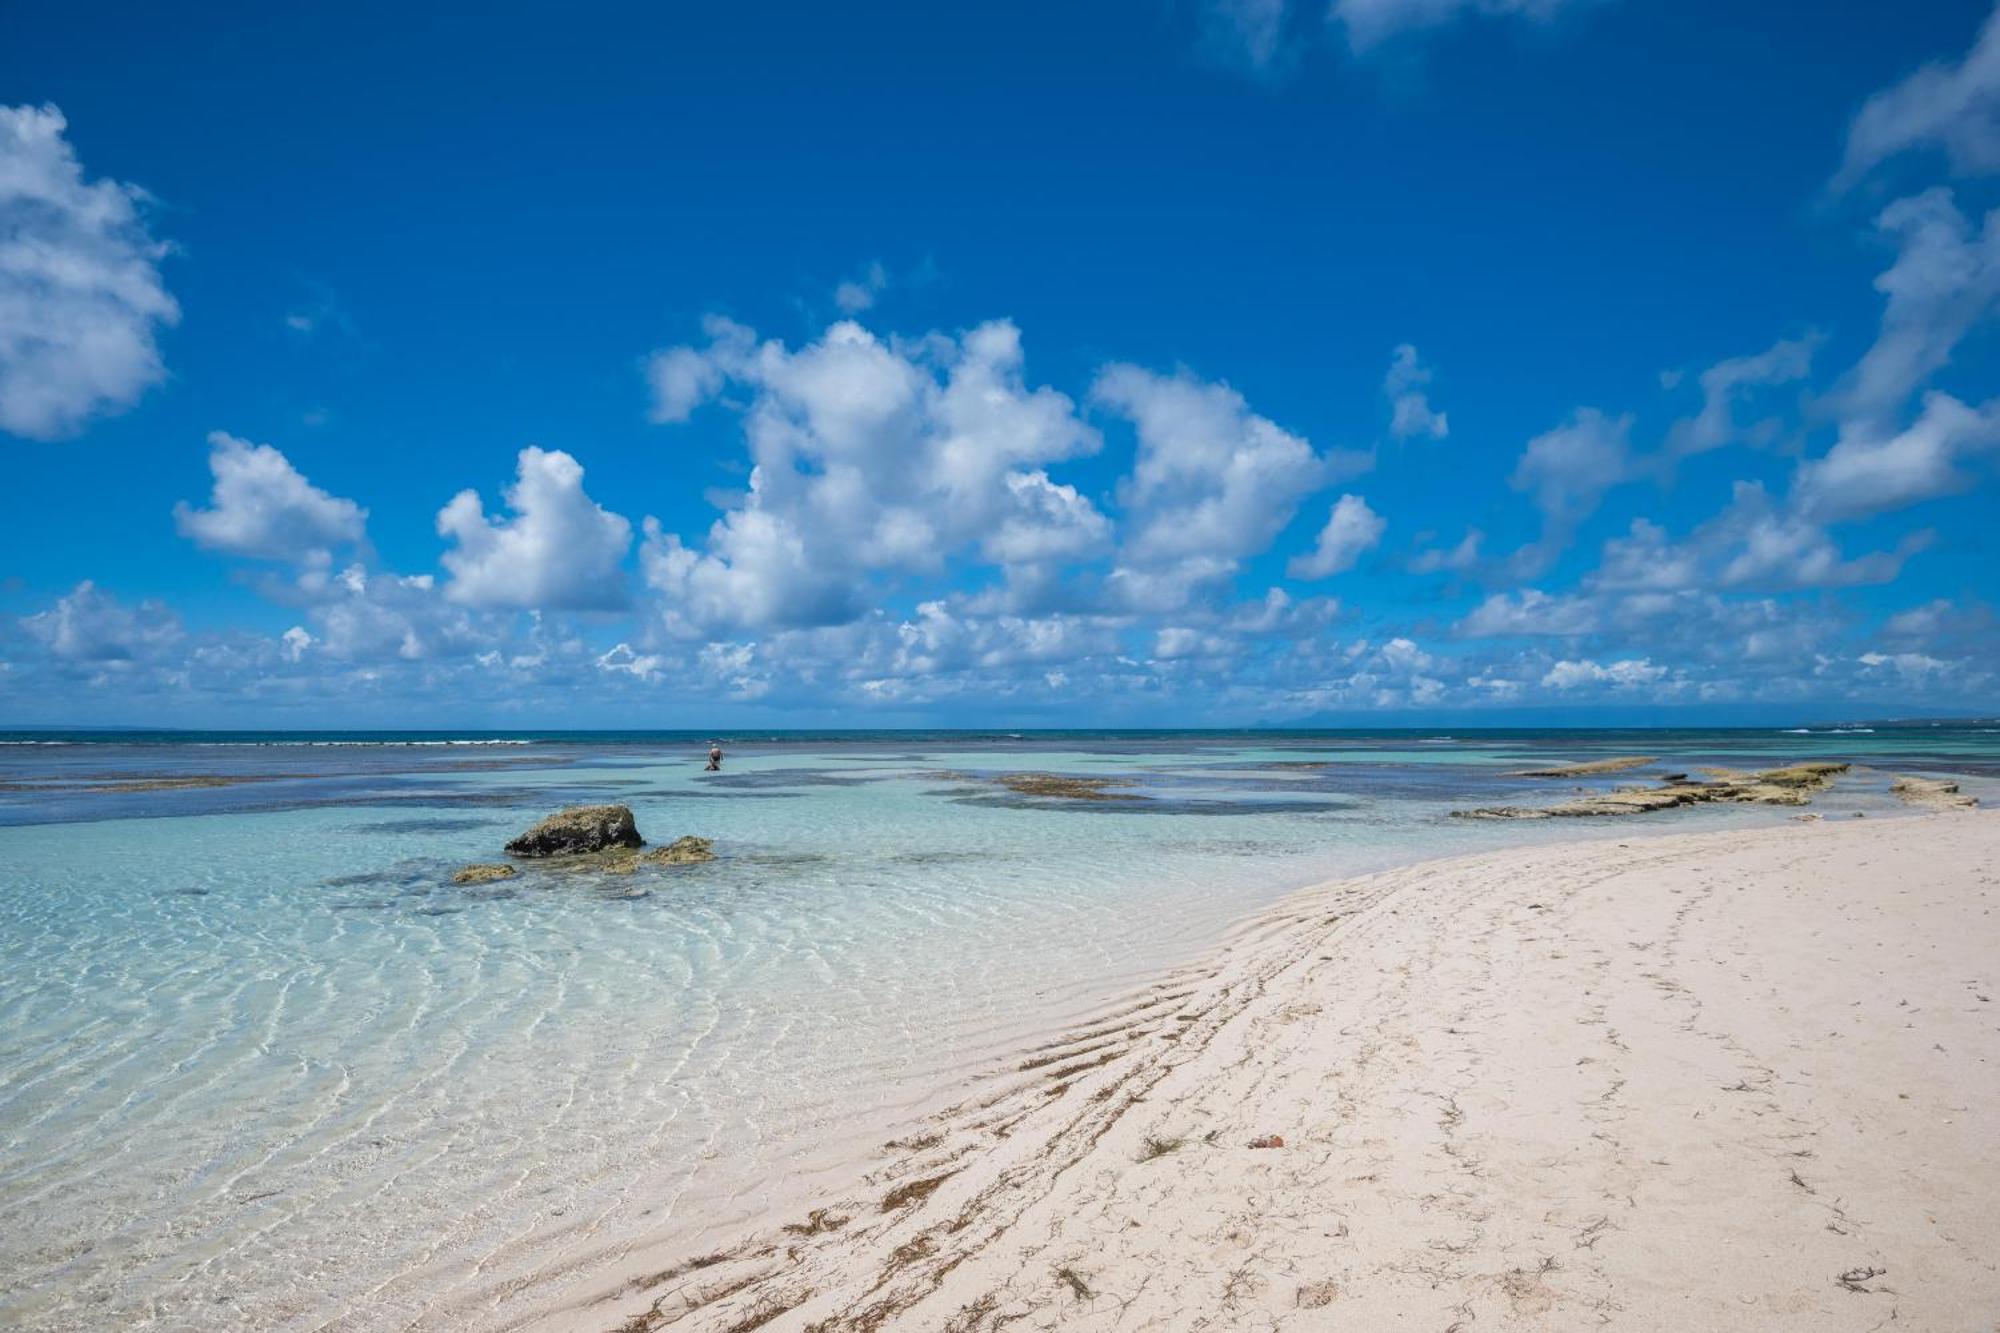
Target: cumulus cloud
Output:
[(1410, 408), (1953, 107), (369, 617), (1567, 470), (559, 551), (873, 456), (1369, 23), (1047, 522), (1767, 547), (1753, 543), (1351, 530), (1627, 674), (1868, 471), (81, 298), (262, 507), (88, 625), (1645, 558), (1529, 612), (1213, 483)]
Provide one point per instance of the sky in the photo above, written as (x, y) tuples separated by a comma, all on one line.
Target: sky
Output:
[(1163, 363)]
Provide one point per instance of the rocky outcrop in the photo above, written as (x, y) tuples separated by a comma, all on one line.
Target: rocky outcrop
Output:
[(484, 874), (578, 830), (681, 852), (1936, 793), (1791, 785)]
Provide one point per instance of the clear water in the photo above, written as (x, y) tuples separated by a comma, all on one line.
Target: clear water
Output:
[(263, 1066)]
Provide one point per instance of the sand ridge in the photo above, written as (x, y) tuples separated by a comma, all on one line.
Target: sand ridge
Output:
[(1742, 1080)]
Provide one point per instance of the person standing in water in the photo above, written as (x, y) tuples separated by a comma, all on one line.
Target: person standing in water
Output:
[(714, 759)]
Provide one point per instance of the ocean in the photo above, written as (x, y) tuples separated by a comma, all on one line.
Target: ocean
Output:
[(263, 1065)]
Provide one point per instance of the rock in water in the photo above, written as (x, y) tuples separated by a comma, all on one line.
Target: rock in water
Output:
[(484, 874), (681, 851), (1937, 793), (581, 828)]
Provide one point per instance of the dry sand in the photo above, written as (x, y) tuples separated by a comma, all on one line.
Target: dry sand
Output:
[(1744, 1081)]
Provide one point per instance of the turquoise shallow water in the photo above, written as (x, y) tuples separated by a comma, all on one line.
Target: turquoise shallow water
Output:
[(263, 1066)]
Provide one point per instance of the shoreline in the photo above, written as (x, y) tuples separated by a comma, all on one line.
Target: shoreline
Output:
[(1109, 1176)]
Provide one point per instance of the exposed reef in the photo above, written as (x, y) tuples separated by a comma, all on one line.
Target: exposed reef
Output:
[(1791, 785), (1068, 786), (578, 830), (484, 874), (590, 839), (1935, 793), (681, 852)]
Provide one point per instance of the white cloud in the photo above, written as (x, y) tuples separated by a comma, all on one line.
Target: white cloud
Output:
[(1529, 612), (1369, 23), (1047, 522), (1645, 559), (90, 626), (1628, 674), (622, 657), (1410, 408), (371, 617), (81, 299), (1174, 642), (1952, 107), (1910, 666), (873, 456), (755, 572), (1771, 548), (858, 294), (1213, 483), (1567, 470), (1867, 472), (1351, 530), (1752, 543), (1460, 559), (262, 507), (683, 378), (560, 551), (1726, 385), (1946, 279)]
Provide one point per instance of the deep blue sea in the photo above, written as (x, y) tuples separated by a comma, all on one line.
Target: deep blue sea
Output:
[(263, 1065)]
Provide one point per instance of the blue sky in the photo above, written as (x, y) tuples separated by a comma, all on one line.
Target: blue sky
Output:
[(1171, 364)]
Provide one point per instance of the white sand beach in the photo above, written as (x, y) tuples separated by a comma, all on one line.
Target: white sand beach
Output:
[(1737, 1080)]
